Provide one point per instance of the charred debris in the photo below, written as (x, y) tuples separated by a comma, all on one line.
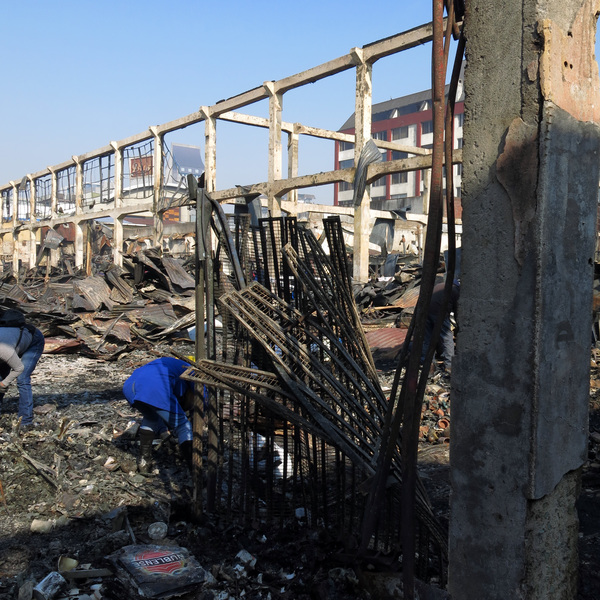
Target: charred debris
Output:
[(297, 409)]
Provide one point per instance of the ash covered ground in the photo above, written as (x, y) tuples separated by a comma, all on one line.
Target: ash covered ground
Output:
[(70, 488)]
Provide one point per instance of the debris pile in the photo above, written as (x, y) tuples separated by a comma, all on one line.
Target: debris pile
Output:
[(72, 503), (111, 311)]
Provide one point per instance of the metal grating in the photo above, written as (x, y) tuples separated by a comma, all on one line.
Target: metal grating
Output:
[(300, 411)]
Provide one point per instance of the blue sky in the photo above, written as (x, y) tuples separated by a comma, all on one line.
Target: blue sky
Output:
[(78, 74)]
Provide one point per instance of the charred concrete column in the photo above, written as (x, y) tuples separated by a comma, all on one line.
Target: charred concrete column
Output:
[(118, 221), (79, 236), (292, 157), (362, 128), (54, 252), (275, 147), (210, 149), (521, 374), (15, 234), (157, 171), (32, 219)]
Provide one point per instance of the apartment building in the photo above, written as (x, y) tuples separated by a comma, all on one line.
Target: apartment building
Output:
[(407, 121)]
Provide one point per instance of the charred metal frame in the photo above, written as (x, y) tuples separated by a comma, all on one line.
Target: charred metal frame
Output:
[(309, 382)]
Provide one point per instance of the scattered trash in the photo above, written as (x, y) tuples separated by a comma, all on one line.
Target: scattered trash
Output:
[(49, 587), (157, 571), (158, 530)]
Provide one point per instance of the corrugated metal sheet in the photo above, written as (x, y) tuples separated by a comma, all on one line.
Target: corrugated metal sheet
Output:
[(95, 290), (177, 273), (385, 343)]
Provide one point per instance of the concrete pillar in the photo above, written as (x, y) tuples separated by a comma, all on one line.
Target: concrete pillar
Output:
[(118, 241), (79, 234), (32, 192), (118, 223), (33, 232), (54, 197), (292, 157), (78, 185), (16, 253), (362, 127), (157, 170), (79, 242), (210, 149), (275, 149), (521, 373)]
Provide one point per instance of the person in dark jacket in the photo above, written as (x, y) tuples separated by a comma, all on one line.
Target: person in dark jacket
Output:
[(445, 345), (157, 390), (21, 346)]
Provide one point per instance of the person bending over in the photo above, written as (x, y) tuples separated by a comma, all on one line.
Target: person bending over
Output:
[(21, 346), (157, 390)]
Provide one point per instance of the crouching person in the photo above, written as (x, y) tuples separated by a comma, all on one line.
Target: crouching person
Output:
[(157, 390)]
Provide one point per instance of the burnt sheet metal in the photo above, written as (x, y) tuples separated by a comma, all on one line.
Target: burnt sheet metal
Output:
[(161, 315), (53, 239), (116, 327), (182, 323), (159, 571), (147, 267), (408, 299), (177, 274), (95, 290), (385, 344), (14, 292), (369, 154), (55, 345), (119, 286)]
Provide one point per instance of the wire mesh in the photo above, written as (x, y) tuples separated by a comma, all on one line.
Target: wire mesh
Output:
[(137, 177), (66, 186), (300, 408), (43, 197), (99, 180), (23, 201), (174, 186), (7, 205)]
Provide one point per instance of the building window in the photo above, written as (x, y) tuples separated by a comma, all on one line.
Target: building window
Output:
[(460, 119), (459, 142), (397, 155), (400, 133), (426, 127), (399, 178), (459, 168), (344, 186), (346, 146), (346, 164), (379, 182), (379, 135)]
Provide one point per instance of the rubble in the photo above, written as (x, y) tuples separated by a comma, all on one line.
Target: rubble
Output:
[(111, 311), (97, 511), (70, 484)]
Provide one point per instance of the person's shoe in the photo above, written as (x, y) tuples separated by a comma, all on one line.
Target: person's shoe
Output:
[(186, 452)]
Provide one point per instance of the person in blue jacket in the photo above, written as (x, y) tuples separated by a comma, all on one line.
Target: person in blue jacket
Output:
[(157, 390)]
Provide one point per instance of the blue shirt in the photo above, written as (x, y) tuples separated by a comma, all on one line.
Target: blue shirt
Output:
[(159, 384)]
